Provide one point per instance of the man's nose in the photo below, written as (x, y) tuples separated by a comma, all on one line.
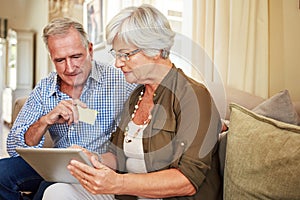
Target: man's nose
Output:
[(69, 65)]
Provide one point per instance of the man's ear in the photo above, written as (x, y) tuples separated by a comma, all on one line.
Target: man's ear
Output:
[(91, 50)]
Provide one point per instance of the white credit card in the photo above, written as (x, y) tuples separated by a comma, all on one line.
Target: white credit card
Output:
[(87, 115)]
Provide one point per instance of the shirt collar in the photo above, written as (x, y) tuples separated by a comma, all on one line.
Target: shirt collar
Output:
[(95, 74), (54, 86)]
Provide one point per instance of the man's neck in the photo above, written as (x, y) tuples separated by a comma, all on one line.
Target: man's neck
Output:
[(73, 91)]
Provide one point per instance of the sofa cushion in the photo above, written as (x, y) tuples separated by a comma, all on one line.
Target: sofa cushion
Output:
[(279, 107), (262, 157)]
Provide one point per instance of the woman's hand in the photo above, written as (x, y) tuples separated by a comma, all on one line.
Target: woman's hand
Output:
[(85, 151), (99, 179)]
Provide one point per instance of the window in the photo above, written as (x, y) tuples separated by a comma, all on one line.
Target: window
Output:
[(179, 15)]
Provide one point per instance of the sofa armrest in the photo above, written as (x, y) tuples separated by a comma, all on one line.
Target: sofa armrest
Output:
[(18, 104)]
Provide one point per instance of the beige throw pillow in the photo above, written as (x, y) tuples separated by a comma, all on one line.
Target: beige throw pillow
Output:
[(279, 107), (262, 158)]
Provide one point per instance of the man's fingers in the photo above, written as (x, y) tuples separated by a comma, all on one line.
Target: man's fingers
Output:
[(77, 102), (67, 111)]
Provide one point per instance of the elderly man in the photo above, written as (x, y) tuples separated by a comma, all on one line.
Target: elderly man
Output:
[(78, 81)]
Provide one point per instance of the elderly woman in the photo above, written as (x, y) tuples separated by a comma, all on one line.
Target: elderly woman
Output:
[(165, 145)]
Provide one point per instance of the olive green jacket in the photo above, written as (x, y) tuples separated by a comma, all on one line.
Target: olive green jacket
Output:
[(182, 134)]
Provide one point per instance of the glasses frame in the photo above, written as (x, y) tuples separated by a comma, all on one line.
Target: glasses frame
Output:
[(125, 56)]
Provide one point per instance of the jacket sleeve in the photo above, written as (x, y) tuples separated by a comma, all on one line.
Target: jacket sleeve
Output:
[(198, 127)]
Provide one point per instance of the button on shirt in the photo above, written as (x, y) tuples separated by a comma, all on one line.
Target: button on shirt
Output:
[(106, 90)]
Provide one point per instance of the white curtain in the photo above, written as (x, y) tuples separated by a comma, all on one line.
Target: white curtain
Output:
[(234, 33)]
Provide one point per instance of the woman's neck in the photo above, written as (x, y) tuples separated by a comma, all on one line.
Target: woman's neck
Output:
[(150, 89), (158, 72)]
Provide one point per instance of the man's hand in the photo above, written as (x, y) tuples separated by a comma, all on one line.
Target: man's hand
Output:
[(65, 111)]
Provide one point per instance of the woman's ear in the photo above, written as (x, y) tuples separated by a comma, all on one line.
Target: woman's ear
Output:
[(156, 57), (164, 53)]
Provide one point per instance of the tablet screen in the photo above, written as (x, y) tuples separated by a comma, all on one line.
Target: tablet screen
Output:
[(51, 163)]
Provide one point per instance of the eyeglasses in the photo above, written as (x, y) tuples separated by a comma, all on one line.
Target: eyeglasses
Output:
[(123, 56)]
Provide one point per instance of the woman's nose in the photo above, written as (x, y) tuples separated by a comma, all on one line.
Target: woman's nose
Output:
[(119, 63)]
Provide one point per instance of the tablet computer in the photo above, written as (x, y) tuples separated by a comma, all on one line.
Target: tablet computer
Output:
[(51, 163)]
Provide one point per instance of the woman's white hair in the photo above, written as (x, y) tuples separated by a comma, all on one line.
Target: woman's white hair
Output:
[(145, 27)]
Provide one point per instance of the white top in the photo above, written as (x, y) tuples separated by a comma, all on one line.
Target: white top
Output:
[(133, 150)]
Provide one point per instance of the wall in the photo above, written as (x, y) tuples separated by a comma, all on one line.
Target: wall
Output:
[(29, 15), (285, 47), (284, 38)]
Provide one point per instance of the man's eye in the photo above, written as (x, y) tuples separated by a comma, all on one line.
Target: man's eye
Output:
[(59, 60), (76, 56)]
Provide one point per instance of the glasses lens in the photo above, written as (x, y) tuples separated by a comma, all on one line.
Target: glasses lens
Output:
[(118, 55), (112, 52), (123, 56)]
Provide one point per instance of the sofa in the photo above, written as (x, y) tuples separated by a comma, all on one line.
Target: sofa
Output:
[(248, 100), (260, 152)]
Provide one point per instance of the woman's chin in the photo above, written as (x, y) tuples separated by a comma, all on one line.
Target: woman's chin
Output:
[(130, 80)]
